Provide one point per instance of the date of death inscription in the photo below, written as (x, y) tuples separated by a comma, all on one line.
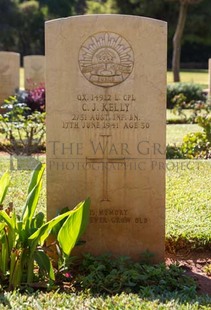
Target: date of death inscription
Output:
[(105, 112)]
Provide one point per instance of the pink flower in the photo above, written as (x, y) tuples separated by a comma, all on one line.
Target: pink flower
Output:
[(68, 275)]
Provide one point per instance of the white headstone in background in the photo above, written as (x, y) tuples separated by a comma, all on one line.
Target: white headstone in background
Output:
[(9, 74), (106, 119), (34, 71)]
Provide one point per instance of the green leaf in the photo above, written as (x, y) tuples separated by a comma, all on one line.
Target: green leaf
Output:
[(57, 227), (4, 184), (36, 176), (38, 220), (8, 220), (44, 263), (33, 193), (2, 225), (74, 227), (43, 232)]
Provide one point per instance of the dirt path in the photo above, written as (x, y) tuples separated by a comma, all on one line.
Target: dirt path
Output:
[(195, 264)]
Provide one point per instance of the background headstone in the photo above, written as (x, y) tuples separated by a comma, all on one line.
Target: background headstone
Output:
[(9, 74), (106, 94), (34, 71)]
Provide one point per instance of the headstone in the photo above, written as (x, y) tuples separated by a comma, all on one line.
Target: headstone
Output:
[(34, 71), (209, 78), (106, 93), (9, 74)]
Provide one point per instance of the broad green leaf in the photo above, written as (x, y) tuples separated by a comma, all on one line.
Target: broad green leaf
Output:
[(31, 199), (74, 227), (8, 220), (22, 233), (43, 232), (85, 218), (33, 193), (38, 220), (44, 263), (36, 176), (57, 227), (2, 225), (4, 184), (14, 220)]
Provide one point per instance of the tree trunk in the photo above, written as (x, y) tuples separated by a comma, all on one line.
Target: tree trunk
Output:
[(177, 40)]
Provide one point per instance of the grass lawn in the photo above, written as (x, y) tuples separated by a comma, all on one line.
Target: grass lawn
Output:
[(188, 223), (188, 203), (187, 194), (171, 116), (175, 133), (191, 76), (85, 301), (21, 78)]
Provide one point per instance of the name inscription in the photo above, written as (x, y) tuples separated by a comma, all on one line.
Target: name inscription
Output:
[(106, 112)]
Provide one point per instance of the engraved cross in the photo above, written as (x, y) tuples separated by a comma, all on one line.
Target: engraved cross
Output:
[(105, 160)]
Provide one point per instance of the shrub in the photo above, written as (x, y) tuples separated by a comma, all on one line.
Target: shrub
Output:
[(196, 145), (23, 127), (23, 254), (106, 274), (33, 98), (205, 123), (174, 152), (188, 93)]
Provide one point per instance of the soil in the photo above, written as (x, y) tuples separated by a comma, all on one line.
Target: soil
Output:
[(194, 263)]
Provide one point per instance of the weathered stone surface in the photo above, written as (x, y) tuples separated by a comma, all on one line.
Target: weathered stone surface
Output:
[(34, 71), (9, 74), (106, 83)]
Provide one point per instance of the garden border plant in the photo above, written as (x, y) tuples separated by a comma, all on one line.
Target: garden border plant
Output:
[(22, 122), (198, 144), (23, 255), (187, 93)]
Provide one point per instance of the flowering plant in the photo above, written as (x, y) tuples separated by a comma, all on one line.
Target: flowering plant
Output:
[(33, 98), (23, 121)]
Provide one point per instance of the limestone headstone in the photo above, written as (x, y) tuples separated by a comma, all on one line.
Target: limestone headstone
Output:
[(34, 71), (106, 83), (9, 74)]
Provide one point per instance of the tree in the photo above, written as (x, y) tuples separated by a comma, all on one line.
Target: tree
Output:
[(31, 28), (8, 25), (177, 39), (61, 8), (101, 7)]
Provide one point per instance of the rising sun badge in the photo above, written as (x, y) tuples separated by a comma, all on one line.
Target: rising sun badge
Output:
[(106, 59)]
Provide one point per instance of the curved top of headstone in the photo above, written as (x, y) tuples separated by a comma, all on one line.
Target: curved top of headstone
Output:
[(5, 53), (106, 16), (105, 54), (33, 56)]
